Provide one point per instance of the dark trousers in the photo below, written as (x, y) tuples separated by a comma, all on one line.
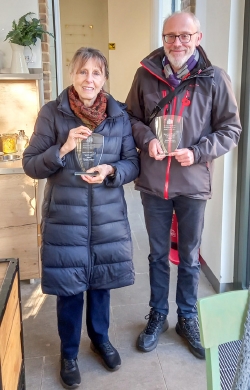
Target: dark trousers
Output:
[(69, 320), (158, 218)]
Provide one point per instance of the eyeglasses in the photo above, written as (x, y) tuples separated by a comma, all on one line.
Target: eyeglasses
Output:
[(184, 38)]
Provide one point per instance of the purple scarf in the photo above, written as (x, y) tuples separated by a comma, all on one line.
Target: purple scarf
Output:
[(175, 79)]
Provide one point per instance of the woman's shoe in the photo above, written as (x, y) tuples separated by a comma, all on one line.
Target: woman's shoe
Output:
[(70, 374), (109, 355)]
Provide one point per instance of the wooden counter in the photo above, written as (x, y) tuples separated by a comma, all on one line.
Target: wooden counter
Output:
[(12, 375), (18, 223)]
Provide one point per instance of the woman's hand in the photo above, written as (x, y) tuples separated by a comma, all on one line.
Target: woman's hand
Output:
[(101, 172), (78, 132)]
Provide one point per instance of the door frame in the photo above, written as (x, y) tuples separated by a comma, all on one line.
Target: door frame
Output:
[(242, 228), (58, 45)]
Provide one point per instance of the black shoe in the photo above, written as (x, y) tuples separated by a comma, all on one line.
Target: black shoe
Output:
[(110, 356), (69, 374), (148, 338), (188, 328)]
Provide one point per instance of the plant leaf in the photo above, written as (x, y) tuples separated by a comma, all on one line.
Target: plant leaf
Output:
[(26, 31)]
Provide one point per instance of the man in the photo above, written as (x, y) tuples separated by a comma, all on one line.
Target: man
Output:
[(180, 181)]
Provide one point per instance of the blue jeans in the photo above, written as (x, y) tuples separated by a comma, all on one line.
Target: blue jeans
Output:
[(69, 320), (158, 218)]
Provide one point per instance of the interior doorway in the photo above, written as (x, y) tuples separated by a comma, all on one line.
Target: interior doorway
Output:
[(75, 24), (83, 23)]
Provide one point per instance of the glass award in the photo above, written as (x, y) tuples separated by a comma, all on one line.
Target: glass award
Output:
[(89, 153), (168, 130)]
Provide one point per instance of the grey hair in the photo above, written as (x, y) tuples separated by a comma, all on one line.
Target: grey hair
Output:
[(83, 54), (195, 19)]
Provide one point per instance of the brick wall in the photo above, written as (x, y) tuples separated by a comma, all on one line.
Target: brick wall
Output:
[(188, 5), (43, 15)]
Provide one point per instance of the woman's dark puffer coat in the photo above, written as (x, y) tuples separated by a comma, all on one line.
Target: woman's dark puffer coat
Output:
[(86, 239)]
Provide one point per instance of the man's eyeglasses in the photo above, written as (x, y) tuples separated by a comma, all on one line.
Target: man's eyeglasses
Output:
[(184, 38)]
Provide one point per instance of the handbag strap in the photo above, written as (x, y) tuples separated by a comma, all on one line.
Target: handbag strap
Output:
[(166, 100)]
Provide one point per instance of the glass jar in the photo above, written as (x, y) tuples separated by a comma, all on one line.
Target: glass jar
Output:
[(22, 142), (9, 143)]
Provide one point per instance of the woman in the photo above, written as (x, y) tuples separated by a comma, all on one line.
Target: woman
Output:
[(86, 240)]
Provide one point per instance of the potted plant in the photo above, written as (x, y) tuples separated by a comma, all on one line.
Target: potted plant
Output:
[(24, 33)]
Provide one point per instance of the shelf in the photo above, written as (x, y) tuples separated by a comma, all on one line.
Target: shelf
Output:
[(35, 74), (9, 167), (20, 76)]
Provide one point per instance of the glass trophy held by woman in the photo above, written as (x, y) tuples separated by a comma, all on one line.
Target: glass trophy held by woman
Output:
[(89, 153)]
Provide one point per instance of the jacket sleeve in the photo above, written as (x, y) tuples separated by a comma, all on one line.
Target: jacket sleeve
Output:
[(225, 122), (135, 107), (127, 168), (41, 158)]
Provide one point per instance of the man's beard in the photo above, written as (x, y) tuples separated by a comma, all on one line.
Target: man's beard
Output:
[(178, 63)]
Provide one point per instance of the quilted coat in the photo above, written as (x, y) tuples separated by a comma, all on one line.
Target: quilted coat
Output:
[(86, 238)]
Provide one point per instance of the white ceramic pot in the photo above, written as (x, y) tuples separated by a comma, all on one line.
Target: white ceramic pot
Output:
[(18, 63)]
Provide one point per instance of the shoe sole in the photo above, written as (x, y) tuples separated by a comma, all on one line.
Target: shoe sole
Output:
[(190, 347), (149, 349), (74, 386), (95, 350)]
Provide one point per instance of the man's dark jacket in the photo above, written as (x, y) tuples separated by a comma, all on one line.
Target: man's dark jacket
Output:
[(86, 239), (211, 125)]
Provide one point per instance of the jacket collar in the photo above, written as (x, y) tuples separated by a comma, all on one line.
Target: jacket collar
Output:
[(114, 108), (153, 63)]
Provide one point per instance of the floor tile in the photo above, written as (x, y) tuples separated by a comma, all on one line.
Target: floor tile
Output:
[(138, 372), (169, 367), (33, 373), (181, 370), (137, 293)]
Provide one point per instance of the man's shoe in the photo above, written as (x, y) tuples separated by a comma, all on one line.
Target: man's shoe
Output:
[(188, 328), (69, 374), (109, 355), (148, 338)]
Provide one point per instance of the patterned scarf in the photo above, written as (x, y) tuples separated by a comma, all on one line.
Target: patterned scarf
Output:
[(91, 116), (175, 79)]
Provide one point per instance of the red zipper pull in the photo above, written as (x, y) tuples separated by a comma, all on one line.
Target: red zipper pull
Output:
[(186, 102)]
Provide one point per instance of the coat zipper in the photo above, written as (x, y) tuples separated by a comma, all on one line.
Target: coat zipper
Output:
[(185, 102), (89, 234), (169, 157)]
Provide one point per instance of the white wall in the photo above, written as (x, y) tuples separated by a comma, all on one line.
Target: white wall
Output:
[(222, 26), (156, 28), (13, 10)]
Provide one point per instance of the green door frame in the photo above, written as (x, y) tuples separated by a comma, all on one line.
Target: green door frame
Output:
[(242, 237)]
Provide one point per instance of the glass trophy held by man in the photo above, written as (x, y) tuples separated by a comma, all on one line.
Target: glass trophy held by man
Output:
[(168, 130)]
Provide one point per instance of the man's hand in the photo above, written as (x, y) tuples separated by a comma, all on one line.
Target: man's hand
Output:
[(155, 151), (184, 156)]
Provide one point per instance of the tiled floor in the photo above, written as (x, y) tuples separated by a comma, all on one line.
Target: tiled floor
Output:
[(170, 366)]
